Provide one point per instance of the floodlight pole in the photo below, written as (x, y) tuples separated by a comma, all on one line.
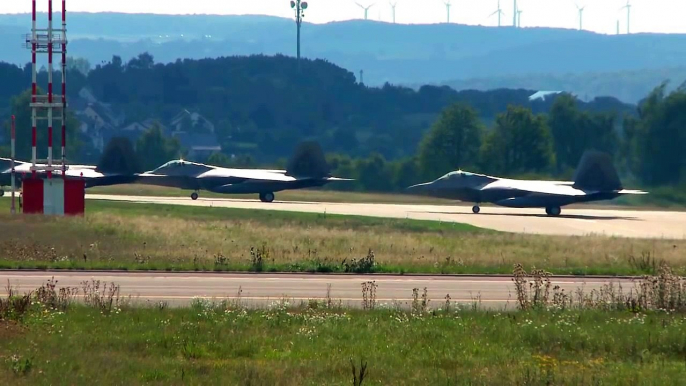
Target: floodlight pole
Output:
[(299, 6), (14, 136)]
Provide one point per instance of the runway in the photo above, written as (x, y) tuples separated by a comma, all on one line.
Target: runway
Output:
[(572, 222), (262, 289)]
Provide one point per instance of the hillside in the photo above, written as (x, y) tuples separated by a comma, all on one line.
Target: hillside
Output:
[(263, 105), (399, 54), (629, 85)]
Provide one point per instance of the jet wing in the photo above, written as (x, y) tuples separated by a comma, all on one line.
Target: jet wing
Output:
[(88, 173), (248, 174), (339, 179), (536, 187), (629, 191)]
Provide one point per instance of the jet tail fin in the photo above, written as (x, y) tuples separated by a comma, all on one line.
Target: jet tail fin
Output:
[(308, 161), (596, 172)]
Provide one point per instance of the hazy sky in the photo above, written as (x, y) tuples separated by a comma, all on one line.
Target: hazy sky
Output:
[(599, 15)]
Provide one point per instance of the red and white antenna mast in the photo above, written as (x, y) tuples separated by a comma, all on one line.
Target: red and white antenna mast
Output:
[(13, 209), (47, 41)]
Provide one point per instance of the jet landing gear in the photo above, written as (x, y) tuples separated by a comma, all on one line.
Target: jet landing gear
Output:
[(267, 197), (2, 193), (553, 211), (476, 209), (194, 196)]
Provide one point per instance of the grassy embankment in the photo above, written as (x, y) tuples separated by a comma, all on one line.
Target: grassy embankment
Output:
[(166, 237), (610, 337)]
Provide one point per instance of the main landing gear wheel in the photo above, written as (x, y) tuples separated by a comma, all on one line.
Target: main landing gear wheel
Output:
[(476, 209), (553, 211), (267, 197), (194, 196)]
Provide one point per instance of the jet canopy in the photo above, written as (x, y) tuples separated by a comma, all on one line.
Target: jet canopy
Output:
[(456, 174), (170, 165), (181, 167)]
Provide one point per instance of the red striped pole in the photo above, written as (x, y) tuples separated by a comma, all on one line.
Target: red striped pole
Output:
[(14, 137), (50, 37), (34, 89), (33, 52), (64, 87)]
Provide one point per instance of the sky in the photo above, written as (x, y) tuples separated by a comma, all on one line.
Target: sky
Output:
[(662, 16)]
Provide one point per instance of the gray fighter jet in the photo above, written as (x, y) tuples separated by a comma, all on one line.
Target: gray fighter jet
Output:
[(307, 168), (595, 179), (89, 173)]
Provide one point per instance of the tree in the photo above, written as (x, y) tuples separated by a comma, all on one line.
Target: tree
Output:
[(154, 149), (659, 138), (374, 173), (564, 125), (520, 143), (219, 159), (453, 141), (406, 173), (81, 65), (343, 166), (119, 157)]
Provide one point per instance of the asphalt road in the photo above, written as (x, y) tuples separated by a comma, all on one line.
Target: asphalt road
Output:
[(263, 289), (577, 221)]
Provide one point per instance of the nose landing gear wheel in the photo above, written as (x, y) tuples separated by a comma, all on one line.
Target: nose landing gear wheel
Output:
[(553, 211), (267, 197), (476, 209), (194, 196)]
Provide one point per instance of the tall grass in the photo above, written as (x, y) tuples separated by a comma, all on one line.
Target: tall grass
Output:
[(611, 336), (120, 236)]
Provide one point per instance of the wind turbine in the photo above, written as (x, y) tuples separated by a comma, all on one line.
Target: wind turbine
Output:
[(393, 8), (581, 16), (366, 9), (515, 11), (628, 16), (499, 12), (447, 8)]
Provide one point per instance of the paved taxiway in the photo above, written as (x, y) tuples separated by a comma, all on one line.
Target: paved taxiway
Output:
[(609, 222), (263, 289)]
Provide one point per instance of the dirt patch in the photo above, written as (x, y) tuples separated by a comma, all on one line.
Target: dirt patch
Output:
[(10, 329)]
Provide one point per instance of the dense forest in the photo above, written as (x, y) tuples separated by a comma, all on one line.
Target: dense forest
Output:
[(385, 137), (263, 106)]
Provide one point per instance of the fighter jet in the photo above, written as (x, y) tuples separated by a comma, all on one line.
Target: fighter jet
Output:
[(307, 168), (595, 179), (90, 174)]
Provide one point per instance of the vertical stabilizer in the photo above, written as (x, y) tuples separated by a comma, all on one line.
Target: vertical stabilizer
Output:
[(308, 161), (596, 172)]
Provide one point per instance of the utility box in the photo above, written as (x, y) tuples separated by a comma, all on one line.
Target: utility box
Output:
[(32, 195), (74, 197), (54, 196)]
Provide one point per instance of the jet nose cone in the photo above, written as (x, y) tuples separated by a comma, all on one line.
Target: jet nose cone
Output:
[(419, 188)]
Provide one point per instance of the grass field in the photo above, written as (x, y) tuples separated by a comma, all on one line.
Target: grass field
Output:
[(597, 339), (165, 237)]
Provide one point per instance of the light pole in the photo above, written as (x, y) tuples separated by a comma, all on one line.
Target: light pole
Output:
[(299, 7)]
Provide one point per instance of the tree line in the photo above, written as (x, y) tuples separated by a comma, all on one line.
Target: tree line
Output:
[(262, 106)]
